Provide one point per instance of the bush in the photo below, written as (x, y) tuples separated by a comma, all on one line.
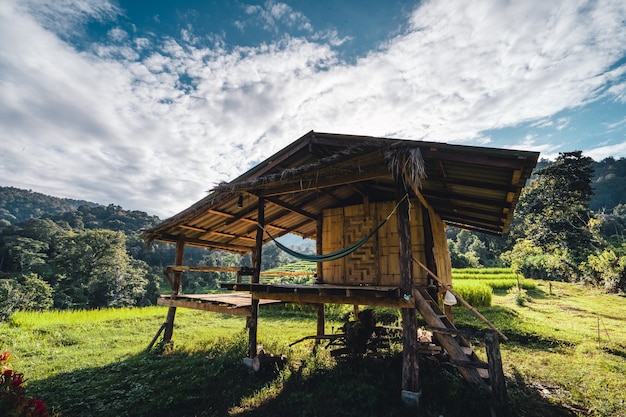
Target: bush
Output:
[(13, 402)]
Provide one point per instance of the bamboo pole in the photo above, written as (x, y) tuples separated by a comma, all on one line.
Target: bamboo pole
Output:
[(465, 303)]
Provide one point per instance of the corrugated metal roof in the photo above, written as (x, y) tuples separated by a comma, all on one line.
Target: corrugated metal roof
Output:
[(470, 187)]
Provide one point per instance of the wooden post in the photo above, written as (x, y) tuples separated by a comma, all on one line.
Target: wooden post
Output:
[(254, 279), (496, 375), (410, 363), (171, 312), (321, 320), (319, 273)]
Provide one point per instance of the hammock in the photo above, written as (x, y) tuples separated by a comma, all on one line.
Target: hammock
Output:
[(329, 256), (334, 255)]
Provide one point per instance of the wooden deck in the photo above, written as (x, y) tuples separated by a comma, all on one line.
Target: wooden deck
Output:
[(237, 304), (326, 294)]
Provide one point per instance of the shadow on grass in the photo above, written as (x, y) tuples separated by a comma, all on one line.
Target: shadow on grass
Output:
[(214, 382), (204, 383), (533, 400)]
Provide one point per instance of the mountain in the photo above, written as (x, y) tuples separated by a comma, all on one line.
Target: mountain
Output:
[(17, 205), (609, 184)]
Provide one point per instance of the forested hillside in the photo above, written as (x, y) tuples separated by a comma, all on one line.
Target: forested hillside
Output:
[(58, 253), (569, 225), (17, 205)]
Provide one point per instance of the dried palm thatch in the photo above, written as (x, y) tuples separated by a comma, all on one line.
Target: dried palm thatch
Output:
[(407, 164), (289, 174), (404, 163)]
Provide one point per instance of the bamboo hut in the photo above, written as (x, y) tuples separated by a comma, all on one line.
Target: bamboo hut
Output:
[(377, 209)]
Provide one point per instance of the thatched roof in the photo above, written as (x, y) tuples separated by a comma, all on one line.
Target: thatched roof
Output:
[(470, 187)]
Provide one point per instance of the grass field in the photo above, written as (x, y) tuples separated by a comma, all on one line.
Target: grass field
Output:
[(566, 356)]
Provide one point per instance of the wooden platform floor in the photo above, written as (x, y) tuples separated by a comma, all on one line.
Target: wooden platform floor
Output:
[(326, 294), (238, 304)]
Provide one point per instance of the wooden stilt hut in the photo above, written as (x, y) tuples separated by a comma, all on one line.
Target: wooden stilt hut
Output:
[(377, 208)]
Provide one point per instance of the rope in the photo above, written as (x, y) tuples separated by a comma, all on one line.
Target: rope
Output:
[(334, 255)]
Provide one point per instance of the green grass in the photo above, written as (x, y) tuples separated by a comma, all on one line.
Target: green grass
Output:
[(473, 283), (476, 293), (481, 271), (89, 363)]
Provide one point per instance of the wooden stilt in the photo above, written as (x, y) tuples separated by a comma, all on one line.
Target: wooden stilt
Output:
[(410, 363), (321, 320), (176, 288), (319, 278), (254, 279), (496, 374)]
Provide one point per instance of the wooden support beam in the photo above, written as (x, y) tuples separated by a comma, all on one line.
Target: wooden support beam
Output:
[(321, 320), (184, 268), (171, 312), (410, 362), (254, 279), (315, 298), (216, 308), (318, 248), (291, 208)]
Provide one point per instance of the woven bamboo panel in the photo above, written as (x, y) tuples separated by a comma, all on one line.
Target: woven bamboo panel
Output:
[(332, 240), (361, 267), (441, 250), (376, 262)]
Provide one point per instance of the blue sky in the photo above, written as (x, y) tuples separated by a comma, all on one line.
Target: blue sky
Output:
[(149, 104)]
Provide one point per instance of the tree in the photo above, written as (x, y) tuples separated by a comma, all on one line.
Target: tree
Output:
[(553, 210), (98, 272), (26, 292), (608, 268)]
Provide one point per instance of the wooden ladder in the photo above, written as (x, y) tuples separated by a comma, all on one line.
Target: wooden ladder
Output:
[(487, 376)]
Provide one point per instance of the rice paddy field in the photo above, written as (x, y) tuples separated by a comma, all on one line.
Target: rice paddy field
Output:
[(566, 356)]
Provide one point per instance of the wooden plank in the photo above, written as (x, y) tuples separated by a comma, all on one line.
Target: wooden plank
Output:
[(371, 289), (185, 268), (230, 299), (359, 299), (449, 343), (195, 305)]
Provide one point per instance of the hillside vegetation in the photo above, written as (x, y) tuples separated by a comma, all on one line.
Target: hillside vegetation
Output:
[(565, 357)]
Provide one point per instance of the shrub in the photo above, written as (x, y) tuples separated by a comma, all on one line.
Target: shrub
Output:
[(13, 402)]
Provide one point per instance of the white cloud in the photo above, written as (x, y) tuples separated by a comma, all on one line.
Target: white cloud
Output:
[(602, 152), (273, 14), (152, 123)]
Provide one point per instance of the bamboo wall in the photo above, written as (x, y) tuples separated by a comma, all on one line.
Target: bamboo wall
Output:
[(440, 247), (376, 262)]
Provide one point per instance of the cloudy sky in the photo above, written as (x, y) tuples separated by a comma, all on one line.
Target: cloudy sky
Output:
[(149, 104)]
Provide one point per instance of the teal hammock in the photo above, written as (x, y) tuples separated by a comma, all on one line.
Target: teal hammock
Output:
[(334, 255)]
